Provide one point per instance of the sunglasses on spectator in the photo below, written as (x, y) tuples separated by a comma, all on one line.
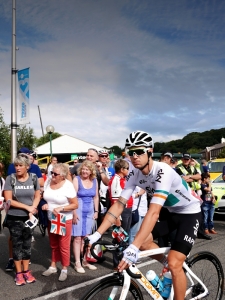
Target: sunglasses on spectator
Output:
[(137, 152), (75, 162), (126, 168), (54, 173), (104, 156)]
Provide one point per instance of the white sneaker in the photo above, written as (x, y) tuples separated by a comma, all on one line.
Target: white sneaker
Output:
[(63, 276), (49, 271), (32, 239)]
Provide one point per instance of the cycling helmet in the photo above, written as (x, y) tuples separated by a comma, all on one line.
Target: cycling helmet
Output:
[(103, 151), (139, 138)]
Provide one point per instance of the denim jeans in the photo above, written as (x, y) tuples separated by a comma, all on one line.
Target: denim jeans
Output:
[(208, 212)]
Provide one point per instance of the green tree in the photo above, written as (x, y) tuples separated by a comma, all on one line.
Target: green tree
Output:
[(5, 141), (25, 137), (45, 139), (222, 154)]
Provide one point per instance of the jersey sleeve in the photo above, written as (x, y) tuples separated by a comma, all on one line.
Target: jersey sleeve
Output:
[(164, 179), (130, 185)]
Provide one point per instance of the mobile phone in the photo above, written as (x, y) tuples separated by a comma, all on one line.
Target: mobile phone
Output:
[(31, 222)]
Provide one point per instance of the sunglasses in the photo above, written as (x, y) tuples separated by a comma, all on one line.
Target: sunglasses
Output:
[(104, 156), (137, 152), (75, 162), (54, 173), (126, 168)]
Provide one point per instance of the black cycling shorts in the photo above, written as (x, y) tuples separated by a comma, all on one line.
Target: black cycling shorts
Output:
[(186, 226)]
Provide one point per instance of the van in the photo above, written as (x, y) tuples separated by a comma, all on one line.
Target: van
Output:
[(216, 167)]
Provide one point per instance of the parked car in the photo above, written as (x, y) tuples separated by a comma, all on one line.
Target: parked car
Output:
[(218, 187)]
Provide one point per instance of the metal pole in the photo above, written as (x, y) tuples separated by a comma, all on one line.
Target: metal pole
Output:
[(50, 137), (41, 120), (13, 86)]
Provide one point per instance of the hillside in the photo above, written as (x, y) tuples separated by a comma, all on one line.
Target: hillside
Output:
[(194, 140)]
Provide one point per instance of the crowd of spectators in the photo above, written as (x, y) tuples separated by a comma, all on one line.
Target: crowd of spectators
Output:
[(82, 195)]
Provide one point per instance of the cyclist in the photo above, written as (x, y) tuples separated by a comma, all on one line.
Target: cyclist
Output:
[(168, 189)]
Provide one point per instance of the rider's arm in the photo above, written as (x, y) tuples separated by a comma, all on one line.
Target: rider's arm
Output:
[(113, 213)]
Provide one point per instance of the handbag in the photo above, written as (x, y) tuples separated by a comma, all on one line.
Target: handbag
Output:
[(97, 249), (135, 214)]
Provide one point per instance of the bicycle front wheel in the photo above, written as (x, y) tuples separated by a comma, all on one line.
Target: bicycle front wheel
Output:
[(111, 287), (209, 269)]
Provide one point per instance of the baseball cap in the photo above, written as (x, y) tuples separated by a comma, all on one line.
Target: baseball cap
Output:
[(167, 153), (186, 155), (25, 150)]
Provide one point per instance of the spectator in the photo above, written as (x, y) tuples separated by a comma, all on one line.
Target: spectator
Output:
[(103, 190), (167, 157), (24, 194), (86, 187), (191, 176), (61, 198), (139, 194), (32, 169), (53, 162), (116, 185), (2, 180), (205, 167), (208, 204)]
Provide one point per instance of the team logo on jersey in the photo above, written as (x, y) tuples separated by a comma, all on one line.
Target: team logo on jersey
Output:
[(182, 195), (150, 190), (196, 228), (130, 175), (159, 175), (142, 181)]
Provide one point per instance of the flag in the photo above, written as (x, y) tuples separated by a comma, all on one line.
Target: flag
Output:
[(58, 224), (24, 100)]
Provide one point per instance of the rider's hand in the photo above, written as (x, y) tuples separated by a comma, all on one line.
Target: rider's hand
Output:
[(130, 255), (94, 237)]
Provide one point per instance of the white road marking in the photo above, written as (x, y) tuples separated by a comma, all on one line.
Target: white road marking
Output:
[(81, 285)]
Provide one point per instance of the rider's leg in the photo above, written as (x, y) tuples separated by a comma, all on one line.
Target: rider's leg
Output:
[(175, 262)]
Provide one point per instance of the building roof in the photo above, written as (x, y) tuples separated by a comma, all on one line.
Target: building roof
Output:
[(66, 144)]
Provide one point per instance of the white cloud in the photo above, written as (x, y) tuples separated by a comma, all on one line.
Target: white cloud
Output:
[(102, 69)]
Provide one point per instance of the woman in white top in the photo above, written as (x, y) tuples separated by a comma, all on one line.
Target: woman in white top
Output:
[(61, 198)]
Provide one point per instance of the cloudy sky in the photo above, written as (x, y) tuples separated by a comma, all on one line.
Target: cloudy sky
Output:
[(100, 69)]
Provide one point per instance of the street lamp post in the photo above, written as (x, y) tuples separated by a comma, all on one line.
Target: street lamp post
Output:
[(50, 129)]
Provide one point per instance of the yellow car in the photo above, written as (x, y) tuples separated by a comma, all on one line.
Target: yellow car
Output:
[(218, 187), (216, 167)]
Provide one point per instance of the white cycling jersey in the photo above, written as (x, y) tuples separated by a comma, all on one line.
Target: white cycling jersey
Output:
[(166, 187)]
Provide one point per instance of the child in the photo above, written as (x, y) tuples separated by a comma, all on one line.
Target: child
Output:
[(208, 204)]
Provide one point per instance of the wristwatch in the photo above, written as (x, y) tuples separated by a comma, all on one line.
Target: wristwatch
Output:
[(190, 177)]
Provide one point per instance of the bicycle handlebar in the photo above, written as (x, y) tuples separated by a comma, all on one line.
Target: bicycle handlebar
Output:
[(131, 274)]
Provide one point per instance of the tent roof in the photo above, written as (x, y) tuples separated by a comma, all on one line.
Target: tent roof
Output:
[(66, 144)]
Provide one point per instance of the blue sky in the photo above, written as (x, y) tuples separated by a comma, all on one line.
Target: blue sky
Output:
[(101, 69)]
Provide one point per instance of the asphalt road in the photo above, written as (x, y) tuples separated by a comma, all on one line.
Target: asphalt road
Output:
[(76, 284)]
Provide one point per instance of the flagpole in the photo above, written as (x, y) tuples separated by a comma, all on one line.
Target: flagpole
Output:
[(13, 86)]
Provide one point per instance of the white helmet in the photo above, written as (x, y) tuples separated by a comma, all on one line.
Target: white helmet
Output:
[(139, 138), (103, 151)]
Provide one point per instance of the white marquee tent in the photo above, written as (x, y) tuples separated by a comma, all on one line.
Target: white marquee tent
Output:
[(66, 144)]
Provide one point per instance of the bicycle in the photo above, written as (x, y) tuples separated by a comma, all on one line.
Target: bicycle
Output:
[(208, 284)]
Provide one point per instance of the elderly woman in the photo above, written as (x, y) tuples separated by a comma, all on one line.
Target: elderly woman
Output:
[(86, 187), (23, 190), (61, 198)]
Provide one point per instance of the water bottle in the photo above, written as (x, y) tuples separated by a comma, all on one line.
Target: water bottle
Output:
[(120, 234), (155, 281), (167, 283)]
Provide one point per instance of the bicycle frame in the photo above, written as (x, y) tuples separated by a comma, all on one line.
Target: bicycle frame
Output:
[(148, 286)]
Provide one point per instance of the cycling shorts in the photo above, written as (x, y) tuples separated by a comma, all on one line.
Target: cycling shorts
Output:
[(186, 226)]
